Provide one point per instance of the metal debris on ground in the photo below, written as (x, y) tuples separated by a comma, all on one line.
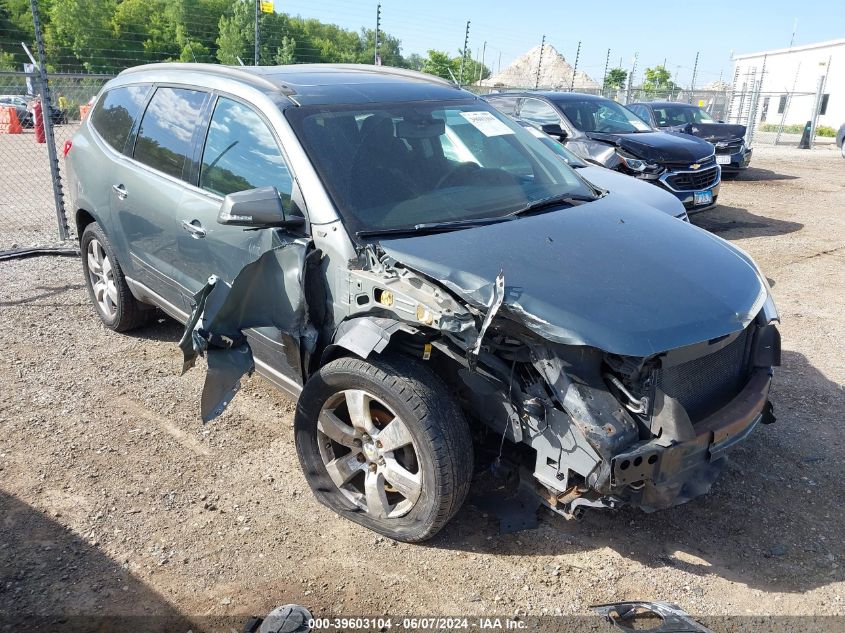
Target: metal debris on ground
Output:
[(673, 618), (289, 618)]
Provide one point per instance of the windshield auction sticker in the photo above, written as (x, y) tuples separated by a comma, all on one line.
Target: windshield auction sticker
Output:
[(486, 123)]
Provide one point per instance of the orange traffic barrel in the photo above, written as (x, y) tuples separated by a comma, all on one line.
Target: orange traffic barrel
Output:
[(9, 123)]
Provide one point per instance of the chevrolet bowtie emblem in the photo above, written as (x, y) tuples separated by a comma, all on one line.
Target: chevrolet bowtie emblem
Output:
[(695, 166)]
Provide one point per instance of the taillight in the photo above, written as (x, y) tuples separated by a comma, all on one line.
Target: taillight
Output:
[(66, 149)]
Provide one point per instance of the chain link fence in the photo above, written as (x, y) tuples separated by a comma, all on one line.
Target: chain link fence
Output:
[(32, 178), (32, 214)]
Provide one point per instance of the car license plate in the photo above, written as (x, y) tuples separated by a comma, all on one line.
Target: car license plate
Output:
[(702, 197), (724, 159)]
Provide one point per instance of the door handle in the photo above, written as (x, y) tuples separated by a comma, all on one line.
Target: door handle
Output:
[(194, 228), (121, 192)]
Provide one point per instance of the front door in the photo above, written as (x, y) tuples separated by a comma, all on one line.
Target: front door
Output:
[(240, 153)]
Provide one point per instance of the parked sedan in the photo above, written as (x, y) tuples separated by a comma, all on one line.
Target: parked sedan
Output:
[(728, 138), (605, 133), (840, 139), (615, 183)]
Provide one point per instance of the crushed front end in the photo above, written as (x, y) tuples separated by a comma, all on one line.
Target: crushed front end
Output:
[(606, 430), (661, 425)]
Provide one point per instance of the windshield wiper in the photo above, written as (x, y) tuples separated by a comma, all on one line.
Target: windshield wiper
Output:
[(432, 227), (567, 199)]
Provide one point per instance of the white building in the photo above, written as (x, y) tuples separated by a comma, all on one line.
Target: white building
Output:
[(797, 71)]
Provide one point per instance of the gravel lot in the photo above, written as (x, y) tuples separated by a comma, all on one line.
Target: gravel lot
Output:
[(115, 500)]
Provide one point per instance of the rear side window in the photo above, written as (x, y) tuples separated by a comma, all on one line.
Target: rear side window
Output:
[(538, 112), (640, 111), (115, 113), (240, 153), (167, 129)]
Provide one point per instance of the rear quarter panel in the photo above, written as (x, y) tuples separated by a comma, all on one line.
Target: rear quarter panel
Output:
[(90, 170)]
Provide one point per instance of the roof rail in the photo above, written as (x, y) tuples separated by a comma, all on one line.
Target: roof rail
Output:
[(235, 72), (392, 70)]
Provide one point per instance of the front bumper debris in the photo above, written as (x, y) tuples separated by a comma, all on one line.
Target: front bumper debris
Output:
[(673, 618), (664, 476)]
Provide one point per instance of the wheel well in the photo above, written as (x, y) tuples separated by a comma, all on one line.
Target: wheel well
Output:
[(83, 219)]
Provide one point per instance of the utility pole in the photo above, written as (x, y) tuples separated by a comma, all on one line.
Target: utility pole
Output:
[(694, 73), (257, 31), (464, 55), (606, 64), (376, 52), (540, 63), (631, 78), (499, 65), (575, 67), (481, 67)]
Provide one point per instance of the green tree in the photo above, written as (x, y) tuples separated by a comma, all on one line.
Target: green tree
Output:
[(441, 64), (658, 79), (415, 61), (236, 34), (7, 61), (286, 52), (84, 28), (438, 63), (473, 70), (16, 27), (616, 78)]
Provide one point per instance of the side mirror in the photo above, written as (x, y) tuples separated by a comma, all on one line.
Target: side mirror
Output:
[(554, 129), (256, 208)]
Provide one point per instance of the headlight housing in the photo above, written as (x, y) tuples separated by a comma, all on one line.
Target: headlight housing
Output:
[(636, 164)]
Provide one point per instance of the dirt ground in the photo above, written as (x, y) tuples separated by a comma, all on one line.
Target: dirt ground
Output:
[(115, 500)]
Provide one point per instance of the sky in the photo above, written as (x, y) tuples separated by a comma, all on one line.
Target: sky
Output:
[(713, 28)]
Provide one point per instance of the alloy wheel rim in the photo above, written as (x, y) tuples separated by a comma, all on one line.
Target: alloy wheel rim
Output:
[(101, 278), (369, 454)]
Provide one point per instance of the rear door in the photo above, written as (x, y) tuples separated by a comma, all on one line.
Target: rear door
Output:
[(111, 122), (239, 152), (147, 189)]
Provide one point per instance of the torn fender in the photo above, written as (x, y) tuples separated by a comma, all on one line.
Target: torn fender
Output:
[(269, 292), (364, 335)]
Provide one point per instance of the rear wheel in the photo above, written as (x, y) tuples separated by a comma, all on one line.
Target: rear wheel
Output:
[(384, 444), (114, 303)]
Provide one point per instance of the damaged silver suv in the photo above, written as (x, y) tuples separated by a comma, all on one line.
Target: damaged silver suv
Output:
[(426, 278)]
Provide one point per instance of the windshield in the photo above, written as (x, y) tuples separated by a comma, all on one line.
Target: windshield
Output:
[(602, 115), (390, 166), (669, 115)]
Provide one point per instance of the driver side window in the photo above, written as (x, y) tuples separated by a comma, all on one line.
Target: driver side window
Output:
[(241, 153)]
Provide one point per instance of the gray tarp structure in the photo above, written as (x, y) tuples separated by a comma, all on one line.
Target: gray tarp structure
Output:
[(267, 292)]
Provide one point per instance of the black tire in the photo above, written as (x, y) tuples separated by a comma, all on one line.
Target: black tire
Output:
[(436, 423), (129, 313)]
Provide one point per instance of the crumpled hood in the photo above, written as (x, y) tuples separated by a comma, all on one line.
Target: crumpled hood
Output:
[(609, 274), (712, 132), (660, 147)]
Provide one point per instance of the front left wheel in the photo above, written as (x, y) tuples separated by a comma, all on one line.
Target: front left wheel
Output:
[(383, 443)]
